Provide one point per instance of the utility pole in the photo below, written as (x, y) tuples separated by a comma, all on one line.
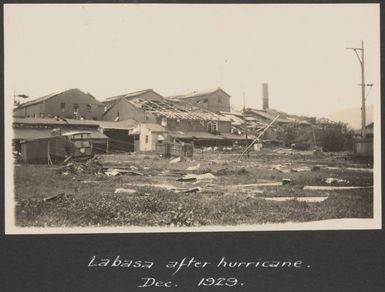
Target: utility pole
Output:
[(363, 85), (246, 136)]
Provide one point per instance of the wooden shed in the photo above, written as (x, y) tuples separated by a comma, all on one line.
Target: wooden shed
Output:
[(44, 150)]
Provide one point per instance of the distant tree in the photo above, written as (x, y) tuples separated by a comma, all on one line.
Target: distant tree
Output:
[(335, 137)]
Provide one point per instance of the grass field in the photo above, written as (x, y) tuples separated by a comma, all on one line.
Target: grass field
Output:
[(91, 199)]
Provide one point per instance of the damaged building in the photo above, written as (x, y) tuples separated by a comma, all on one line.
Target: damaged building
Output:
[(68, 104), (29, 133), (183, 121), (216, 100)]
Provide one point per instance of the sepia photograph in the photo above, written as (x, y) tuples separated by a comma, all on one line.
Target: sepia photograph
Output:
[(144, 118)]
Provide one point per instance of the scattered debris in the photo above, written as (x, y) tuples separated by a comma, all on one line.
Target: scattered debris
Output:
[(194, 167), (91, 166), (67, 159), (173, 173), (90, 181), (311, 199), (242, 171), (301, 169), (53, 198), (176, 160), (282, 169), (125, 191), (117, 171), (300, 199), (332, 180), (286, 181), (195, 177), (267, 184), (112, 172), (334, 188), (351, 168), (316, 168), (222, 171), (187, 178), (192, 190)]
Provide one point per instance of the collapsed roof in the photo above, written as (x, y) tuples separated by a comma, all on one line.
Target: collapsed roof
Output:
[(176, 110)]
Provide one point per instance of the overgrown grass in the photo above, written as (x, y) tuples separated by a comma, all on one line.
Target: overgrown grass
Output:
[(90, 200)]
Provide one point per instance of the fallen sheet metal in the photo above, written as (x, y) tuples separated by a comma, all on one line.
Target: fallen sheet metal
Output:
[(300, 199), (350, 169), (90, 181), (117, 171), (283, 169), (176, 160), (332, 180), (53, 198), (195, 177), (193, 167), (335, 188), (301, 169), (192, 190), (267, 184), (124, 191), (172, 173)]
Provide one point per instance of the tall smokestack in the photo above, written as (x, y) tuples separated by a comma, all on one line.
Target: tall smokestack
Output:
[(265, 96)]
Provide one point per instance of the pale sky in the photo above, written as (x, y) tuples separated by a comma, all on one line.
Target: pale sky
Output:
[(299, 50)]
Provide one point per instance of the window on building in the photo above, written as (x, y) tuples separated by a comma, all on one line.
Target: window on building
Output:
[(212, 127), (76, 107), (215, 127), (63, 106), (146, 139), (206, 100), (117, 117), (220, 99), (89, 108)]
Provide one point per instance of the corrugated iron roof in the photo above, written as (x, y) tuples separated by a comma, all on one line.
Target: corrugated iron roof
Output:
[(176, 110), (154, 127), (195, 135), (31, 134), (126, 124), (131, 94), (198, 93), (46, 97), (230, 136), (266, 115)]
